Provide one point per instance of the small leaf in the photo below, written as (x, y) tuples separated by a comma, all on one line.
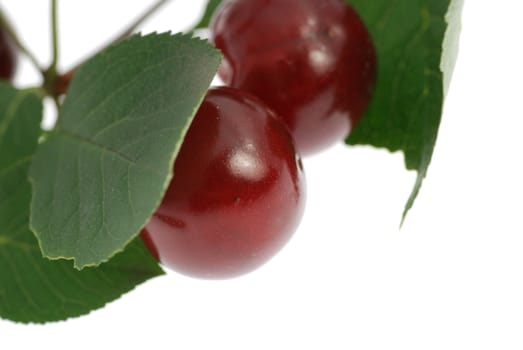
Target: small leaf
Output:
[(34, 289), (211, 7), (102, 172), (406, 109)]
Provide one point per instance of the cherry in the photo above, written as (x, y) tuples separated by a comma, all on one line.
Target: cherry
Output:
[(312, 61), (7, 56), (237, 194)]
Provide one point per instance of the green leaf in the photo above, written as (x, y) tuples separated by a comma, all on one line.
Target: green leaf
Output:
[(211, 7), (102, 172), (34, 289), (406, 109)]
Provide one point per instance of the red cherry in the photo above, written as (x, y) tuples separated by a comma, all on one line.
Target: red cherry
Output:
[(8, 57), (237, 194), (312, 61)]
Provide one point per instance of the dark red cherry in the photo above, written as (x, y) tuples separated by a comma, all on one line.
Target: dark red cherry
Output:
[(237, 194), (312, 61), (8, 57)]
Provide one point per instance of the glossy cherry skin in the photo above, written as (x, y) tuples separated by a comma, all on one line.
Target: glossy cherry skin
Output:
[(312, 61), (8, 57), (237, 194)]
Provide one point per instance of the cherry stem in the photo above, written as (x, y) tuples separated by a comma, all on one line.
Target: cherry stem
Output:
[(127, 31), (18, 43), (144, 17), (51, 75), (54, 32)]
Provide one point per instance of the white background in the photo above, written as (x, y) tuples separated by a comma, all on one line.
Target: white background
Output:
[(350, 279)]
